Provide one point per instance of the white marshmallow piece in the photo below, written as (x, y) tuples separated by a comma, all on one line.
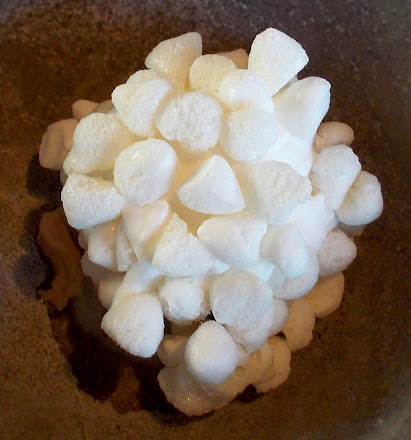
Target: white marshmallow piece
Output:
[(269, 324), (174, 57), (124, 250), (276, 280), (82, 108), (285, 247), (238, 56), (333, 173), (239, 298), (184, 299), (102, 244), (108, 287), (93, 270), (234, 239), (185, 393), (180, 253), (144, 75), (244, 88), (302, 107), (336, 253), (248, 134), (280, 366), (97, 140), (363, 202), (171, 350), (141, 277), (144, 225), (263, 269), (138, 102), (207, 71), (212, 188), (145, 171), (326, 296), (210, 354), (298, 287), (272, 189), (191, 118), (289, 149), (56, 144), (299, 327), (314, 219), (136, 324), (88, 201), (276, 57)]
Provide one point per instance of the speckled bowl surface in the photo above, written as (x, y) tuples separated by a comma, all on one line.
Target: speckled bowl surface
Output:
[(352, 382)]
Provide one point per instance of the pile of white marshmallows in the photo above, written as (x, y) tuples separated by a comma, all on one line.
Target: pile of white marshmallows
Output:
[(207, 193)]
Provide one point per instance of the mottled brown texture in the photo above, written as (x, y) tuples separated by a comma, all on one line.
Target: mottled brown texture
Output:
[(352, 382)]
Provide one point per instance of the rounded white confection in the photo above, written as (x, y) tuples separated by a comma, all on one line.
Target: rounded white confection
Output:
[(234, 239), (144, 225), (333, 133), (144, 75), (141, 277), (281, 366), (138, 102), (269, 324), (285, 247), (302, 107), (228, 390), (314, 219), (272, 189), (56, 144), (276, 57), (263, 269), (239, 298), (333, 173), (363, 202), (299, 327), (298, 287), (184, 299), (211, 354), (191, 118), (171, 350), (276, 280), (108, 287), (97, 140), (218, 267), (207, 71), (136, 324), (246, 135), (212, 188), (82, 240), (185, 393), (102, 244), (88, 201), (289, 149), (105, 107), (180, 253), (174, 57), (93, 270), (125, 253), (336, 253), (326, 295), (82, 108), (238, 56), (261, 363), (244, 88), (145, 171)]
